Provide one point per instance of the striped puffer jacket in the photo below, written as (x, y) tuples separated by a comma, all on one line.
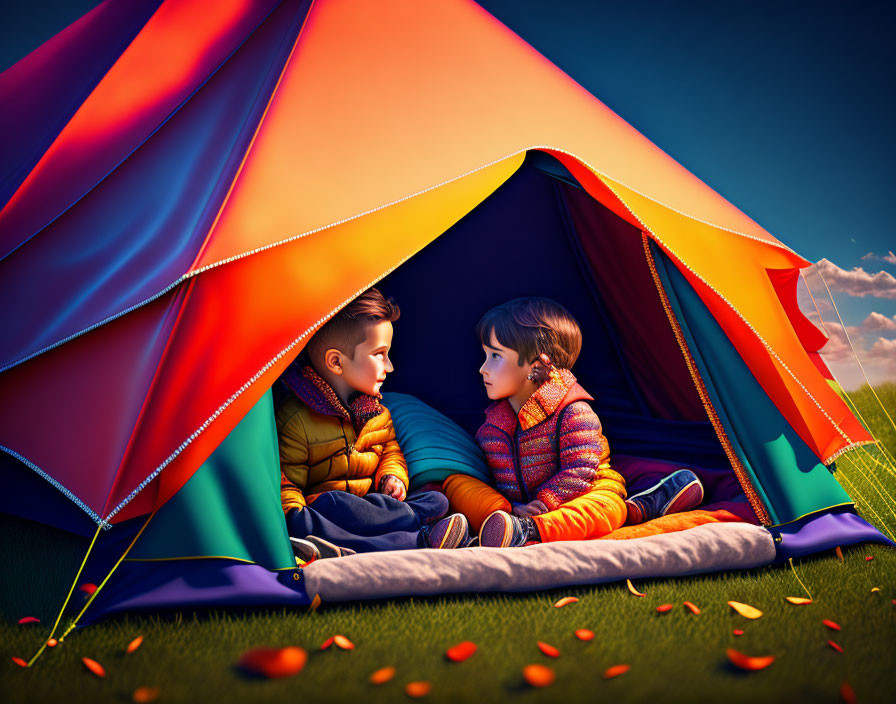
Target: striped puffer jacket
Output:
[(553, 450)]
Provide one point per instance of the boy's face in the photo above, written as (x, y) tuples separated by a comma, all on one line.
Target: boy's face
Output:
[(367, 370), (501, 372)]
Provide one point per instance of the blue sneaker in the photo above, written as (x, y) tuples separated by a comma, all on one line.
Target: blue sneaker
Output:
[(451, 532), (503, 530), (680, 491)]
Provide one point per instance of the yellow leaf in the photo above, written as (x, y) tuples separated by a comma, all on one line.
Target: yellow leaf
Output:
[(798, 600), (745, 610), (631, 588)]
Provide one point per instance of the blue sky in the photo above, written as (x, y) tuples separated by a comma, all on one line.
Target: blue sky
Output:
[(785, 108)]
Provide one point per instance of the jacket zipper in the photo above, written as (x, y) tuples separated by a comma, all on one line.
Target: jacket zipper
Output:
[(739, 470)]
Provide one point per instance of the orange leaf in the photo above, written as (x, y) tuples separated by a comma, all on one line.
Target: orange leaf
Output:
[(835, 646), (417, 689), (88, 588), (839, 553), (461, 651), (142, 695), (615, 671), (134, 644), (28, 619), (693, 608), (584, 634), (538, 675), (631, 588), (548, 650), (738, 632), (830, 624), (798, 600), (274, 662), (315, 602), (664, 608), (343, 642), (327, 643), (52, 643), (746, 662), (94, 667), (383, 675), (565, 600), (19, 662), (745, 610), (846, 694)]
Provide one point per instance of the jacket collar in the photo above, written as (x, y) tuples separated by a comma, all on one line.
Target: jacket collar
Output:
[(558, 391), (313, 390)]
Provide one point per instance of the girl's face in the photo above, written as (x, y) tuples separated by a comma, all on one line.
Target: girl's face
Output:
[(501, 372)]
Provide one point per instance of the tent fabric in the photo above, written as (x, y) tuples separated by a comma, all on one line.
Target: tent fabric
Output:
[(384, 99)]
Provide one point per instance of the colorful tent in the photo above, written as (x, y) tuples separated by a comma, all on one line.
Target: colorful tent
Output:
[(189, 191)]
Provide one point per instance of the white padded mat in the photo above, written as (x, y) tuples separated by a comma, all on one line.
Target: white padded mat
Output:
[(706, 548)]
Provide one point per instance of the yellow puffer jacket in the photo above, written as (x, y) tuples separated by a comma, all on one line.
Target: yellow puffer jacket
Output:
[(319, 451)]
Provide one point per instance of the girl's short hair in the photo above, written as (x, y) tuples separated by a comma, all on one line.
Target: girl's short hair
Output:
[(533, 326)]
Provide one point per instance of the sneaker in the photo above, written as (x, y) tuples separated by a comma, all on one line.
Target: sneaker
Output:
[(311, 548), (680, 491), (503, 530), (451, 532)]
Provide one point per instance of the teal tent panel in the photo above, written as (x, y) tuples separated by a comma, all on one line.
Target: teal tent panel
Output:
[(231, 506), (789, 478)]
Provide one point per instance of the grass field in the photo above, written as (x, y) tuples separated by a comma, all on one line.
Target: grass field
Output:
[(675, 656)]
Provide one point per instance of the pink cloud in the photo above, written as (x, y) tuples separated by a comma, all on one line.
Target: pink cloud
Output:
[(857, 281), (878, 322), (889, 257)]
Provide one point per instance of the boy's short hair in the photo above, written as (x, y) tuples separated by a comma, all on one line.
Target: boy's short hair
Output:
[(533, 326), (348, 328)]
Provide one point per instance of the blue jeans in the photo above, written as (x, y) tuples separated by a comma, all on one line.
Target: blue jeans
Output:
[(368, 523)]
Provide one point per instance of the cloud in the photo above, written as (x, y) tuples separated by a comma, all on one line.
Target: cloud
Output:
[(857, 282), (878, 363), (889, 257), (883, 349), (878, 322)]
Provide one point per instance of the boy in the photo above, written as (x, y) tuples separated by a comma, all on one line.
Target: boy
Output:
[(344, 479), (543, 442)]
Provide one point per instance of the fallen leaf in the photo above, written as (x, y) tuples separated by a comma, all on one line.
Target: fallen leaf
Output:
[(315, 602), (847, 694), (274, 662), (94, 667), (745, 610), (631, 588), (869, 558), (134, 644), (417, 689), (746, 662), (615, 671), (548, 650), (835, 646), (19, 661), (664, 608), (145, 694), (738, 632), (798, 600), (830, 624), (565, 600), (839, 553), (88, 588), (343, 642), (52, 643), (28, 619), (692, 607), (584, 634), (538, 675), (461, 651), (327, 643), (382, 675), (875, 590)]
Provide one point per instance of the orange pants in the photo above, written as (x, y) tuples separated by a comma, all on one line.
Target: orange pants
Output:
[(592, 515)]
